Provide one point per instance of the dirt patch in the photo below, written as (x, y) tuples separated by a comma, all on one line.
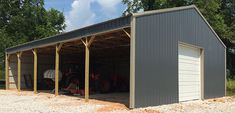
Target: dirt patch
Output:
[(112, 107), (223, 99)]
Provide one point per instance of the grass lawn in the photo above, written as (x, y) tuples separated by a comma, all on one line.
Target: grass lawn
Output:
[(230, 87)]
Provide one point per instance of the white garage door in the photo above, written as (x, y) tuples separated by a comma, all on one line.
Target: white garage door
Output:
[(189, 73)]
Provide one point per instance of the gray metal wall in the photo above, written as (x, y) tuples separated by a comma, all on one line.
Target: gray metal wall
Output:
[(156, 72)]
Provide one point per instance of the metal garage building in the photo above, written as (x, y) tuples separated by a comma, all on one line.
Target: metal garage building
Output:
[(173, 55)]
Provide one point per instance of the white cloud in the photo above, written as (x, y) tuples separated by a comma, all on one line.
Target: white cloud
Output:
[(83, 14), (109, 5), (80, 15)]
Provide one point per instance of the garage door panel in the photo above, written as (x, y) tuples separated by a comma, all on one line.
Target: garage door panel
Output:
[(190, 94), (189, 89), (189, 73), (190, 70), (189, 65), (194, 97), (188, 80), (193, 67), (188, 59), (188, 51), (189, 83)]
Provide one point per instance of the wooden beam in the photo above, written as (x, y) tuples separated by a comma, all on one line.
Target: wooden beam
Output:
[(57, 61), (7, 56), (128, 34), (35, 70), (87, 59), (60, 46), (77, 43), (83, 42), (19, 70), (90, 41)]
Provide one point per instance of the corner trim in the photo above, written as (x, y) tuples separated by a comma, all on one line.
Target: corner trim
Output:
[(132, 64), (225, 71)]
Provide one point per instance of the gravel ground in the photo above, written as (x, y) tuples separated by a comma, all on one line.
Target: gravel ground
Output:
[(27, 102)]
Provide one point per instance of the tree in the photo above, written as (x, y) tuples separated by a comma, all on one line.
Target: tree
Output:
[(26, 20), (228, 12), (54, 23), (134, 6), (211, 9)]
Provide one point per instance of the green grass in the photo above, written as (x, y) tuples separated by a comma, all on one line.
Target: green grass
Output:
[(230, 87)]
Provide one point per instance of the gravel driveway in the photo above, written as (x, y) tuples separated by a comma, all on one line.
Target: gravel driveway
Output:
[(27, 102)]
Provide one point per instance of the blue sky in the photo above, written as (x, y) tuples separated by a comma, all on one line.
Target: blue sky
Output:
[(81, 13)]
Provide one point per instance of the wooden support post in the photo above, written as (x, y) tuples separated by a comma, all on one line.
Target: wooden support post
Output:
[(35, 70), (87, 65), (87, 73), (7, 56), (57, 62), (128, 34), (19, 70)]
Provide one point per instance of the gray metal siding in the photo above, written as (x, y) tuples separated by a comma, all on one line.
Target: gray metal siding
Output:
[(156, 72), (76, 34)]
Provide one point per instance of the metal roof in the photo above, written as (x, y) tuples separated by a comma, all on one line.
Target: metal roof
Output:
[(106, 26)]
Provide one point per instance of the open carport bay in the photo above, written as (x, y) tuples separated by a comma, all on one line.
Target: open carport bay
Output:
[(109, 67)]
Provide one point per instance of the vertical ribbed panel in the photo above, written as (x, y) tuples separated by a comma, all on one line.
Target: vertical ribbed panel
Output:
[(157, 38)]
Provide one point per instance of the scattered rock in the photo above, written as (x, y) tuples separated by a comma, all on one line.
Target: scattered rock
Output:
[(27, 102)]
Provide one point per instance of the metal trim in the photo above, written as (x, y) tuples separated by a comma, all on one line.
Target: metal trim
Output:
[(209, 26), (225, 71), (132, 64), (163, 10)]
